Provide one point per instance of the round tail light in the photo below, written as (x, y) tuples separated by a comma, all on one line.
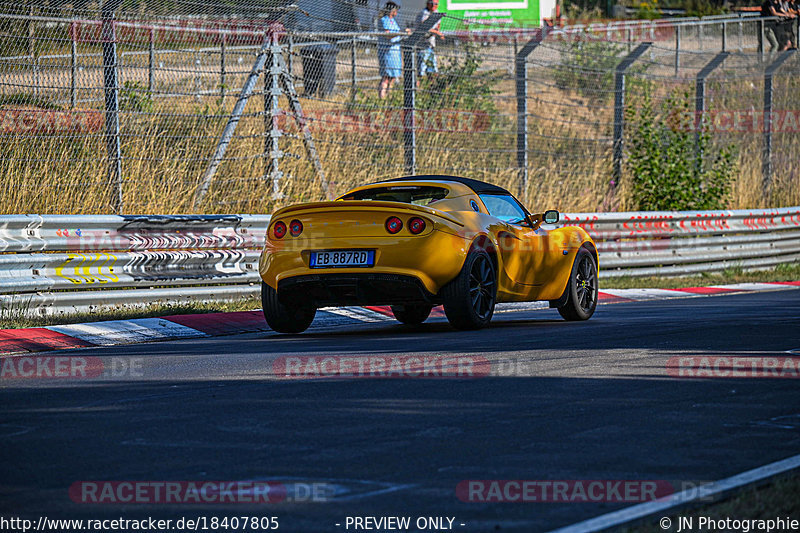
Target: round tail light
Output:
[(296, 228), (393, 225), (416, 225), (279, 230)]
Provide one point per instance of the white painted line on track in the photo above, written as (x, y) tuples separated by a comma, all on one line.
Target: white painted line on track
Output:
[(113, 332), (667, 505), (647, 294), (752, 286)]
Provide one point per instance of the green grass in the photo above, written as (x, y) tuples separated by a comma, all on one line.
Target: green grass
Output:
[(778, 499), (788, 272)]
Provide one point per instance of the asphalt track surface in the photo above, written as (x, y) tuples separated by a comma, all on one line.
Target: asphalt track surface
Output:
[(565, 401)]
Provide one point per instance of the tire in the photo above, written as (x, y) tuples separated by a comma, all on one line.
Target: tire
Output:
[(285, 318), (469, 299), (413, 315), (582, 288)]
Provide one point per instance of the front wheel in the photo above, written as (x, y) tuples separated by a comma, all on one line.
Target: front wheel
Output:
[(582, 288), (469, 299), (412, 314), (294, 318)]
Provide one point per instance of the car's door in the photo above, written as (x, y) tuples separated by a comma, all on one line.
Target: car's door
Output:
[(522, 248)]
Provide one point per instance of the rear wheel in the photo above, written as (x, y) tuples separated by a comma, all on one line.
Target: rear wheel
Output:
[(293, 318), (582, 288), (412, 314), (469, 299)]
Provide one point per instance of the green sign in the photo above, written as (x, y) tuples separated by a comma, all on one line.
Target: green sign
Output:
[(490, 14)]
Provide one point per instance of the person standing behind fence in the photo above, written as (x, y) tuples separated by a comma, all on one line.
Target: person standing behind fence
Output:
[(772, 28), (427, 57), (785, 30), (389, 57)]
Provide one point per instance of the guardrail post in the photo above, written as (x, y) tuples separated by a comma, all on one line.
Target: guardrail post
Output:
[(619, 107), (111, 90), (677, 50), (767, 154), (521, 76), (409, 48), (151, 60), (700, 97), (74, 64)]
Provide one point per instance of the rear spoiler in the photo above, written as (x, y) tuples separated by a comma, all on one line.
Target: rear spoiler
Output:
[(369, 205)]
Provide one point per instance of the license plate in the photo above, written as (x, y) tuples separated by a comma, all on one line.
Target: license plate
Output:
[(342, 258)]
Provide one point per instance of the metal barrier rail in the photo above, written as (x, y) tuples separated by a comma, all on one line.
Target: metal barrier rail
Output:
[(58, 264), (671, 243)]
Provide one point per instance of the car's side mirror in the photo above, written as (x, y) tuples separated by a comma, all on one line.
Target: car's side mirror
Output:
[(551, 216)]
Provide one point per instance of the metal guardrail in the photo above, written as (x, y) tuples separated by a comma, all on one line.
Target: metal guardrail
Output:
[(58, 264), (672, 243)]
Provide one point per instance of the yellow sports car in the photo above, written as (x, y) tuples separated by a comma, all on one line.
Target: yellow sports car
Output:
[(420, 241)]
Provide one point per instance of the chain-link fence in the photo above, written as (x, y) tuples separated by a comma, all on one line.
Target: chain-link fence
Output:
[(161, 107)]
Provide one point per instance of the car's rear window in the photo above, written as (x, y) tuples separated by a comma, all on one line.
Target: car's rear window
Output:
[(407, 194)]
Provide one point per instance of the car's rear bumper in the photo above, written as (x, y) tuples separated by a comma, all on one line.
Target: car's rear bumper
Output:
[(367, 288), (432, 260)]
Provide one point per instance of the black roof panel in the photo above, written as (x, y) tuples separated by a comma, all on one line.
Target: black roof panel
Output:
[(480, 187)]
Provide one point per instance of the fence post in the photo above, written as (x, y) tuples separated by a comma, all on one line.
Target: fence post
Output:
[(35, 76), (198, 82), (353, 70), (31, 29), (619, 107), (767, 154), (741, 35), (111, 90), (700, 97), (222, 66), (677, 50), (151, 61), (272, 111), (521, 76), (74, 64), (700, 35), (724, 36), (409, 48), (290, 59), (761, 41)]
